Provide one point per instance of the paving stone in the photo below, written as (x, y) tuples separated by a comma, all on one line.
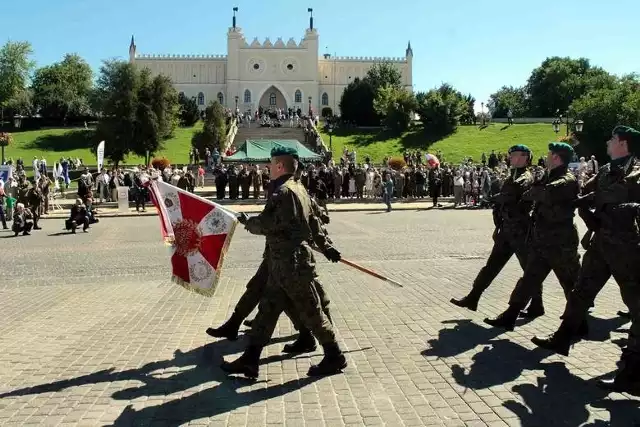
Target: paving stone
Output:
[(94, 333)]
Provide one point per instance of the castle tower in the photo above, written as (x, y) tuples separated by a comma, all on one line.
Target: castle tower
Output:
[(132, 51), (312, 44), (409, 57), (235, 40)]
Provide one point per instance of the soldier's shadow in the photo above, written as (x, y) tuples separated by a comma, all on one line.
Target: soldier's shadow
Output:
[(464, 336), (560, 398), (500, 362)]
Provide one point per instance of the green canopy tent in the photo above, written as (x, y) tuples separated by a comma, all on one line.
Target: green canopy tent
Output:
[(259, 151)]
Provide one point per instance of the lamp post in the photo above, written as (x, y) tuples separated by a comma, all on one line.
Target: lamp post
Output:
[(310, 112), (577, 124), (482, 112), (330, 129), (236, 102)]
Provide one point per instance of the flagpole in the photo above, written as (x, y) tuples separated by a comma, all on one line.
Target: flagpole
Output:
[(346, 262)]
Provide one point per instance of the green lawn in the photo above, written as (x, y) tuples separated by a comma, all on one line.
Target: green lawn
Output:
[(56, 143), (466, 141)]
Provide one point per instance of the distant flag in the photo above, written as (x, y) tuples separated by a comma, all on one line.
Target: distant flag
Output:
[(198, 232)]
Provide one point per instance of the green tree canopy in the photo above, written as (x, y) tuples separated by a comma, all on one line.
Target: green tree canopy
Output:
[(396, 105), (441, 110), (603, 109), (62, 90), (189, 113), (15, 67), (356, 103), (138, 111), (508, 98), (214, 130)]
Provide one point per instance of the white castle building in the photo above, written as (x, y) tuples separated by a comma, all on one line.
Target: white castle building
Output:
[(269, 74)]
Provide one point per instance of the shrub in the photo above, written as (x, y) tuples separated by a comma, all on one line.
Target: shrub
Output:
[(327, 112), (5, 139), (160, 163), (397, 163)]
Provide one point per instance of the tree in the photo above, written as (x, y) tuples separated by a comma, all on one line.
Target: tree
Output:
[(138, 111), (62, 90), (468, 116), (383, 74), (356, 103), (603, 109), (557, 82), (214, 130), (117, 87), (189, 113), (15, 67), (441, 109), (396, 106), (508, 98)]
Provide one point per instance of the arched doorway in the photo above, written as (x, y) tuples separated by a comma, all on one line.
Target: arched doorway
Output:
[(272, 98)]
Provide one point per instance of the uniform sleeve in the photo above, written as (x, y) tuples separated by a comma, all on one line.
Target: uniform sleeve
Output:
[(277, 216), (319, 212), (562, 189)]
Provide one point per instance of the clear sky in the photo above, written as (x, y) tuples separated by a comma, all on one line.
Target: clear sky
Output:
[(477, 46)]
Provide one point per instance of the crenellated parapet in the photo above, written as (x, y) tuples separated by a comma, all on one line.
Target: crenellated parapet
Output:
[(268, 44), (365, 59), (182, 57)]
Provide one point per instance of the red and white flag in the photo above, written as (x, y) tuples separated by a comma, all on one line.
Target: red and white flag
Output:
[(198, 232)]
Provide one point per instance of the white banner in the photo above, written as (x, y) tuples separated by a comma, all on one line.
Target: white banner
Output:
[(6, 172), (100, 154)]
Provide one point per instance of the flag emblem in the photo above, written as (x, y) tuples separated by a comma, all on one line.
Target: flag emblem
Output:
[(198, 231)]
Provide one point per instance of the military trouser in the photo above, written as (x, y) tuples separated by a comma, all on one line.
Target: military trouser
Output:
[(294, 297), (256, 289), (561, 257), (35, 210), (505, 245), (601, 261)]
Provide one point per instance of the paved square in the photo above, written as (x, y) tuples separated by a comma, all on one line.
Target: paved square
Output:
[(93, 333)]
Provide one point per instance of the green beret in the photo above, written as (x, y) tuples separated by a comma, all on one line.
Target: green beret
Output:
[(284, 151), (627, 133), (562, 149), (519, 148)]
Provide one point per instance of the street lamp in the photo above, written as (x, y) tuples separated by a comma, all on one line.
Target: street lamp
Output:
[(578, 125), (310, 112), (482, 112), (236, 102)]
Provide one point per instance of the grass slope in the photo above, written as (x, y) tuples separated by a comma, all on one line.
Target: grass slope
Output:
[(56, 143), (466, 141)]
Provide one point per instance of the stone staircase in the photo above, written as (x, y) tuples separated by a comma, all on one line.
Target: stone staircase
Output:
[(257, 132)]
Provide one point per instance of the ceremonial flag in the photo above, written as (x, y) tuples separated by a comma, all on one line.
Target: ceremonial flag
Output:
[(198, 232)]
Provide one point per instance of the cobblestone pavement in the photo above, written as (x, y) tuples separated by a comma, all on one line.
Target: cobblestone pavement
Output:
[(92, 333)]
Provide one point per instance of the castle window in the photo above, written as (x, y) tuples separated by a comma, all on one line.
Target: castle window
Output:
[(325, 99), (247, 96), (289, 67), (201, 98), (272, 99), (298, 97), (256, 66), (220, 98)]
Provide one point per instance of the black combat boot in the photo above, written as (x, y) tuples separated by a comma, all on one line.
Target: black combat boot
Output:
[(228, 330), (627, 379), (559, 342), (470, 301), (248, 364), (304, 344), (248, 323), (535, 310), (506, 320), (332, 363)]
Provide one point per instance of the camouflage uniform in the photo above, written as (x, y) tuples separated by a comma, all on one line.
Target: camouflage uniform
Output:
[(256, 289), (513, 221), (613, 250), (553, 241), (287, 223)]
